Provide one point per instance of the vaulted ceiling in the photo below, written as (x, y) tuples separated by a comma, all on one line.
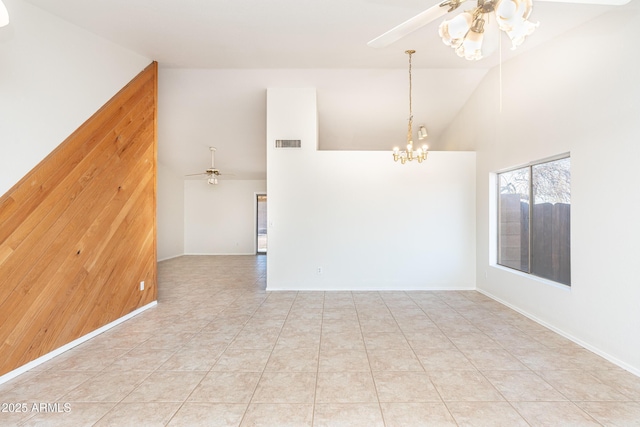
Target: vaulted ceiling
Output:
[(217, 57)]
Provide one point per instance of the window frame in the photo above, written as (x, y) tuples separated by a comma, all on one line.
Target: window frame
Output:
[(530, 194)]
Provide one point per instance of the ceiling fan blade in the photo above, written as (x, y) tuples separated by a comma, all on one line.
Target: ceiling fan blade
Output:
[(198, 174), (409, 26), (603, 2)]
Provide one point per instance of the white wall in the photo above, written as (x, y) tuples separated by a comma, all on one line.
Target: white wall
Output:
[(170, 216), (367, 222), (221, 219), (53, 77), (580, 94)]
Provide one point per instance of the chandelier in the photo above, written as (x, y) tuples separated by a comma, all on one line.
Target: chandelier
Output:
[(421, 153), (465, 32)]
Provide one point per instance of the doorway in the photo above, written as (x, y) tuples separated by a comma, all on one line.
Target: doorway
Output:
[(261, 223)]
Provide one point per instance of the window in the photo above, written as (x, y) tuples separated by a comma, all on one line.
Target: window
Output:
[(535, 237)]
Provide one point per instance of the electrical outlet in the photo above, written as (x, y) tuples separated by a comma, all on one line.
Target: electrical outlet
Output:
[(319, 270), (142, 285)]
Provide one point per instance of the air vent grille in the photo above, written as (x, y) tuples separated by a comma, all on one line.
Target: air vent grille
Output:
[(288, 143)]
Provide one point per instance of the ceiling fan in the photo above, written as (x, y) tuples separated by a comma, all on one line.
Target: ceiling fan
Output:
[(211, 173), (464, 32)]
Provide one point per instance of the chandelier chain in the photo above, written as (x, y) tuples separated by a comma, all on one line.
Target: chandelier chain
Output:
[(410, 126)]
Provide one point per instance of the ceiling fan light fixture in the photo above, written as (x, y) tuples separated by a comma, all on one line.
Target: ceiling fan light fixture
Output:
[(512, 18), (509, 13), (454, 30), (4, 15), (213, 181), (471, 47), (520, 32)]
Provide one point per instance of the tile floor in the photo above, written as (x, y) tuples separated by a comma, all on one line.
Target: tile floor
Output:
[(220, 351)]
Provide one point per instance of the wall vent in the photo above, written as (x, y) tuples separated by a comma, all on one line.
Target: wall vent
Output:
[(288, 143)]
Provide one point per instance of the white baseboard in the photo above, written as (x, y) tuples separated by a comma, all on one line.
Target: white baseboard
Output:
[(24, 368), (170, 257), (217, 254), (568, 336), (365, 289)]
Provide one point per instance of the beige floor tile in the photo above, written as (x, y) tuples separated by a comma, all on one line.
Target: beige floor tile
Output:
[(14, 416), (167, 340), (344, 351), (285, 387), (210, 339), (333, 340), (193, 359), (166, 386), (343, 360), (523, 386), (621, 380), (340, 326), (374, 325), (393, 360), (538, 359), (141, 359), (299, 339), (580, 358), (226, 387), (581, 386), (280, 414), (493, 359), (464, 386), (256, 339), (417, 415), (339, 314), (286, 359), (443, 359), (47, 386), (347, 415), (108, 386), (385, 341), (427, 341), (78, 414), (485, 414), (542, 414), (209, 414), (345, 387), (91, 359), (405, 387), (472, 340), (148, 414), (298, 325), (242, 360), (613, 413)]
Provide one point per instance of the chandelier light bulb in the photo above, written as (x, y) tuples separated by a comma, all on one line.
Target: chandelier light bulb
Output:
[(422, 133)]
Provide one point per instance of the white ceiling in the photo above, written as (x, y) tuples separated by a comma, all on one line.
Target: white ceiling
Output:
[(317, 35)]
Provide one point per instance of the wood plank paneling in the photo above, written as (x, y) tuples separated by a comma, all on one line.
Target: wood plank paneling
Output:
[(78, 232)]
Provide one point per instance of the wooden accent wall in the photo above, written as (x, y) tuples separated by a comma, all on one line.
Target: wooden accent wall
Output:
[(78, 233)]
